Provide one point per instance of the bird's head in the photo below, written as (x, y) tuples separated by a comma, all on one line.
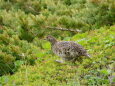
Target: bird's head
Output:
[(51, 39)]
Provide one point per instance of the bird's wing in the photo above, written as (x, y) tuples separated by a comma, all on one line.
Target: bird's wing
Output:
[(78, 48), (70, 49)]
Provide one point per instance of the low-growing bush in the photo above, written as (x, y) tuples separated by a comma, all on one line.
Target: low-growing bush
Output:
[(95, 71), (76, 14), (13, 49), (6, 63), (23, 25)]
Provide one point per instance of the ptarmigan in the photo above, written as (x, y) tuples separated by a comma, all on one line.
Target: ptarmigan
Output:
[(67, 50)]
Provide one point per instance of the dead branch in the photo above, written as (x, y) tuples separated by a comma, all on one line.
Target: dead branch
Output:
[(32, 9), (63, 29)]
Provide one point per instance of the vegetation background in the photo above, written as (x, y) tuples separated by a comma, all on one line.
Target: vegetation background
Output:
[(27, 60)]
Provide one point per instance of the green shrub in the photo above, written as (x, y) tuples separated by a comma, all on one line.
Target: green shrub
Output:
[(91, 71), (6, 63), (12, 47), (23, 26), (32, 17)]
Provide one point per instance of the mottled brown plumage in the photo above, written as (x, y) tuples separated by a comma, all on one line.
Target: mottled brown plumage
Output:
[(67, 50)]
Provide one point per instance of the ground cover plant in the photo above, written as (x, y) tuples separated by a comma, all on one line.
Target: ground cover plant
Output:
[(94, 71), (26, 58)]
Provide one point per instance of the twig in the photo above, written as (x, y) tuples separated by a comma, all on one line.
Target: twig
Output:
[(32, 9), (64, 29)]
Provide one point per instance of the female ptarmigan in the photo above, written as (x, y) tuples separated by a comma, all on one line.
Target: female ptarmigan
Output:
[(67, 50)]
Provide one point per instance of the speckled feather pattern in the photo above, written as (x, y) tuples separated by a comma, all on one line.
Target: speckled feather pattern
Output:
[(67, 50)]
